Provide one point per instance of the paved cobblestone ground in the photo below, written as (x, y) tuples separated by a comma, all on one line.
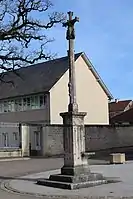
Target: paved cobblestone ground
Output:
[(10, 169), (14, 171), (123, 188)]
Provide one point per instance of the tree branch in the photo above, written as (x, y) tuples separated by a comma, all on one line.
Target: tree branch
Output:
[(23, 32)]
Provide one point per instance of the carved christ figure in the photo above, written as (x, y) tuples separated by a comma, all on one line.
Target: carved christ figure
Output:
[(70, 24)]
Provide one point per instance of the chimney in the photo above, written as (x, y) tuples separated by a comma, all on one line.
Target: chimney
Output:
[(116, 100)]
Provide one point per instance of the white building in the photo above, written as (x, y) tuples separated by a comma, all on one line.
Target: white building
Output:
[(40, 93)]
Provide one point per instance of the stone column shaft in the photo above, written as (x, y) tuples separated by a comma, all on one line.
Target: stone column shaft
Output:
[(73, 107), (72, 72)]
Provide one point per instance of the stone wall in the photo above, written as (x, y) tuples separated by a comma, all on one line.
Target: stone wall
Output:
[(9, 135), (107, 137), (52, 140), (9, 153), (97, 138)]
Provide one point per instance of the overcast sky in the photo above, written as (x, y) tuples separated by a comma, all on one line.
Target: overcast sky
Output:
[(105, 34)]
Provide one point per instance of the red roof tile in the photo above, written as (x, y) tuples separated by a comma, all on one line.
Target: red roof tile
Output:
[(118, 106), (126, 116)]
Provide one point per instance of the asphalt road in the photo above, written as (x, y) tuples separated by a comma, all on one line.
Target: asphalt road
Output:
[(11, 169)]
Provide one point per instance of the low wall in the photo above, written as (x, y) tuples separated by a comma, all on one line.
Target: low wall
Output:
[(52, 140), (7, 153), (103, 137), (107, 137)]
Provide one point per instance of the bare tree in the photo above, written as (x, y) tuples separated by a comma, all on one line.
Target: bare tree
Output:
[(23, 32)]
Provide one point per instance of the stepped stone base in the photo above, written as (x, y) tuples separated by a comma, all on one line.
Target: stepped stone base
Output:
[(78, 181), (70, 186)]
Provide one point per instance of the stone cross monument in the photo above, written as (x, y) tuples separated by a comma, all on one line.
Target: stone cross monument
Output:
[(73, 121), (75, 172), (70, 36)]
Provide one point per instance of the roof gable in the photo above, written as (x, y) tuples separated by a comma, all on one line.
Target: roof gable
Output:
[(97, 76), (42, 77)]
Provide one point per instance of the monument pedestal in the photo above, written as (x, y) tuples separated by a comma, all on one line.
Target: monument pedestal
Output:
[(75, 173)]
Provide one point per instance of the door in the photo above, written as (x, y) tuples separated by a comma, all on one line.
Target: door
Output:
[(37, 140)]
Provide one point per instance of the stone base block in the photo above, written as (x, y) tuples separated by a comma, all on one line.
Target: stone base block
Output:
[(77, 178), (75, 171), (117, 158)]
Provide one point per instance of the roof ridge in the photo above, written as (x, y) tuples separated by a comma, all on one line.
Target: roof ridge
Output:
[(120, 101), (49, 61)]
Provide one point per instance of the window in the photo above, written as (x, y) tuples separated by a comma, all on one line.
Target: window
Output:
[(23, 103), (28, 102), (1, 110), (36, 101), (15, 136), (5, 139), (5, 106), (42, 100), (11, 106), (18, 104), (32, 102), (37, 138)]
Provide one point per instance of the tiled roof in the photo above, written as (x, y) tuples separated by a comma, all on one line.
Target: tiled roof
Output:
[(124, 117), (118, 106), (35, 78)]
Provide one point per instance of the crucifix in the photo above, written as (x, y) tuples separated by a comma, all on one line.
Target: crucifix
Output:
[(70, 36), (75, 172)]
